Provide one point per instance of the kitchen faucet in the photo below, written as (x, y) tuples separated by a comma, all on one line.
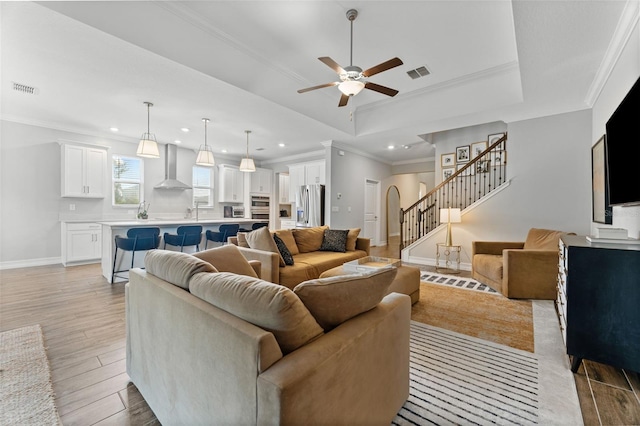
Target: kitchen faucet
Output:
[(197, 209)]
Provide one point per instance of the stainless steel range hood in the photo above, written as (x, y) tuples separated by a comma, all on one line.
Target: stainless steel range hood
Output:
[(170, 167)]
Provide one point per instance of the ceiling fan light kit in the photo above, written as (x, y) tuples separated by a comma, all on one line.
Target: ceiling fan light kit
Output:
[(148, 147), (352, 78)]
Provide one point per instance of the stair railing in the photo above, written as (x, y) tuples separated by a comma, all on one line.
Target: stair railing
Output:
[(477, 178)]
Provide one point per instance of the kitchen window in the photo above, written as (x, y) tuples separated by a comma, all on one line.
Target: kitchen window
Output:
[(202, 186), (127, 188)]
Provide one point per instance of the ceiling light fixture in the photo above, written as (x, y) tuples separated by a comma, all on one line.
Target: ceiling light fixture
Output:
[(351, 87), (184, 129), (205, 154), (247, 164), (148, 147)]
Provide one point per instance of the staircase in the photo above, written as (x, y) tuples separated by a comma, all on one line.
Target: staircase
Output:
[(483, 174)]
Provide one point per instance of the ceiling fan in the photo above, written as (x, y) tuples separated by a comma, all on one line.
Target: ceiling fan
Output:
[(352, 78)]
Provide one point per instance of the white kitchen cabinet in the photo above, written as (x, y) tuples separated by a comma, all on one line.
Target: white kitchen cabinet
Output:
[(261, 182), (309, 173), (231, 184), (81, 242), (283, 186), (84, 171), (314, 173)]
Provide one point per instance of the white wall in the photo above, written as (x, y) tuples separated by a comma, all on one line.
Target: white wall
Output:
[(30, 176), (624, 74), (548, 164)]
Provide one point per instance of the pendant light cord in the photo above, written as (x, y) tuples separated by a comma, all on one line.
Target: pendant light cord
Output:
[(247, 132)]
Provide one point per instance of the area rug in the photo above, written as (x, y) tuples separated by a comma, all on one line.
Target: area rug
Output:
[(457, 282), (476, 313), (460, 380), (25, 379)]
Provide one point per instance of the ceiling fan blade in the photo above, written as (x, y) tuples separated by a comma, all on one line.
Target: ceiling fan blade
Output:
[(382, 89), (391, 63), (343, 100), (332, 64), (335, 83)]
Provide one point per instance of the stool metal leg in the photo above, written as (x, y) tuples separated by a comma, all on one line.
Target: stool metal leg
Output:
[(113, 270)]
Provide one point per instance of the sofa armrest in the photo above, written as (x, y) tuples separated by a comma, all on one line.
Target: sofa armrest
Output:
[(257, 267), (494, 247), (530, 274), (363, 244), (344, 376), (270, 263)]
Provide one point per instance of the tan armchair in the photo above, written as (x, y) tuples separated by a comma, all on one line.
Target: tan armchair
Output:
[(519, 270)]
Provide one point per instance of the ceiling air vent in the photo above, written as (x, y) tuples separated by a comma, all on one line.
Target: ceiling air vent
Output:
[(23, 88), (418, 72)]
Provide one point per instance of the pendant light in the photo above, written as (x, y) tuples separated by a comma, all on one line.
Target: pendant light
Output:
[(205, 155), (247, 164), (148, 147)]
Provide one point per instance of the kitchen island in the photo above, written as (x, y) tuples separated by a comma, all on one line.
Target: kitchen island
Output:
[(112, 228)]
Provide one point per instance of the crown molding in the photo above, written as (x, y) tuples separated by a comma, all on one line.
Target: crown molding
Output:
[(295, 157), (626, 25)]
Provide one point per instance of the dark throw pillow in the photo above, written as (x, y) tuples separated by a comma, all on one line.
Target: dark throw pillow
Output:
[(284, 251), (334, 240)]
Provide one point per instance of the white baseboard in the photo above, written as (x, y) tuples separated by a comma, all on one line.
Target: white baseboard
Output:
[(432, 262), (14, 264)]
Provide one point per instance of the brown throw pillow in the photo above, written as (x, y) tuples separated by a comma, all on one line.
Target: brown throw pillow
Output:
[(352, 236), (227, 258), (242, 239), (269, 306), (309, 239), (175, 267), (286, 235), (261, 239), (334, 300)]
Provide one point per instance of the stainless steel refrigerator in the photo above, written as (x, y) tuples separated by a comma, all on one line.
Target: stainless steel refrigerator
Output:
[(310, 206)]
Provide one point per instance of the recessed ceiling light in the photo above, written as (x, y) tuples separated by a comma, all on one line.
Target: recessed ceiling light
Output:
[(281, 145), (184, 129), (224, 150), (177, 142), (113, 129), (391, 147)]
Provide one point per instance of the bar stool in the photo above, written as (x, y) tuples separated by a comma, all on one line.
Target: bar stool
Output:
[(255, 226), (137, 239), (186, 235), (225, 231)]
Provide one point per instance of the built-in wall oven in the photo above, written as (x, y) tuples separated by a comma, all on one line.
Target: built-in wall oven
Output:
[(260, 207)]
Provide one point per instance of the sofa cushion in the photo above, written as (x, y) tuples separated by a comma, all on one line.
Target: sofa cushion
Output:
[(175, 267), (542, 239), (261, 239), (269, 306), (489, 265), (309, 239), (352, 236), (333, 300), (227, 258), (286, 235), (284, 251), (334, 240)]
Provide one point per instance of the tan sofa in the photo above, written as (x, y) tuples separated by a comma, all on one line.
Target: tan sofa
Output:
[(197, 356), (519, 270), (309, 262)]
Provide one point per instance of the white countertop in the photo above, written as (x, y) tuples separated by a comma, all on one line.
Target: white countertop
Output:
[(173, 222)]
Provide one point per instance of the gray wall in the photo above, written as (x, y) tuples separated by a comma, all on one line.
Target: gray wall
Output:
[(549, 169)]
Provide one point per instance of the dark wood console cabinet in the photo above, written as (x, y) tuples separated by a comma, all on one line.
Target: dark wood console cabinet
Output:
[(599, 302)]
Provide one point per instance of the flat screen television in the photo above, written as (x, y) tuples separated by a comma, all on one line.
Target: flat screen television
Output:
[(623, 150)]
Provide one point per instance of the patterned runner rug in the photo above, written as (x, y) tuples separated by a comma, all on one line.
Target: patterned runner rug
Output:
[(457, 282), (461, 380), (26, 394)]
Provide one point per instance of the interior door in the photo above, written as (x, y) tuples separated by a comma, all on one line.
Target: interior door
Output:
[(371, 210)]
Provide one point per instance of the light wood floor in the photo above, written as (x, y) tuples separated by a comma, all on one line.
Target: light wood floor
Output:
[(607, 395), (82, 317)]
